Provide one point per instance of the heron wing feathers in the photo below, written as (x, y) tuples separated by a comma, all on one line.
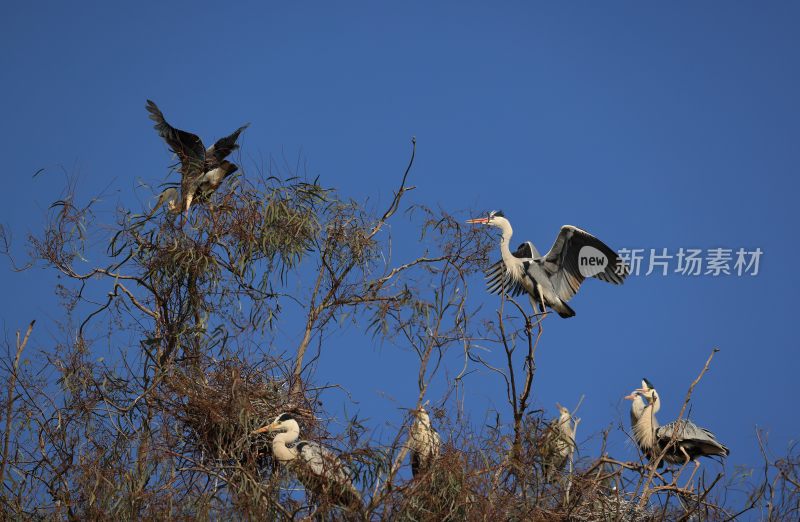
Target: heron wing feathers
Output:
[(187, 146), (690, 433), (223, 147), (562, 261), (323, 462), (499, 278)]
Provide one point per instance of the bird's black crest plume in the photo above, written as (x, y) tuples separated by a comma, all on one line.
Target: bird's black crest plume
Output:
[(648, 383), (285, 417)]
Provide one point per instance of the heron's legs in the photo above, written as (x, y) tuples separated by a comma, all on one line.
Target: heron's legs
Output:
[(696, 466), (689, 484)]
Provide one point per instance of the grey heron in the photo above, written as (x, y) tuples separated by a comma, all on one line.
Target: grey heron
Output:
[(424, 442), (552, 279), (169, 197), (317, 468), (202, 170), (637, 406), (683, 440), (560, 442)]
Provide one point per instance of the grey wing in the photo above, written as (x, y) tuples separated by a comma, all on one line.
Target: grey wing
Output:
[(687, 431), (323, 462), (188, 147), (562, 261), (224, 146), (498, 278)]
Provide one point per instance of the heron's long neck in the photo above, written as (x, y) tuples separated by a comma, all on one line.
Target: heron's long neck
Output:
[(565, 425), (637, 407), (505, 241), (656, 402), (645, 428), (421, 432), (280, 450)]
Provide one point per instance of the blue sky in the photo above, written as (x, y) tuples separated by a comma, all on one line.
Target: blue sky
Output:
[(650, 125)]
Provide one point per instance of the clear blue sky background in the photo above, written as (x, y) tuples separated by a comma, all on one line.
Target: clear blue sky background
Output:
[(651, 125)]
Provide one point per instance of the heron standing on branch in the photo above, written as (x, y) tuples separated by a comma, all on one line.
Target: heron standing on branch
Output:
[(423, 442), (202, 170), (317, 468), (560, 442), (683, 440), (554, 278)]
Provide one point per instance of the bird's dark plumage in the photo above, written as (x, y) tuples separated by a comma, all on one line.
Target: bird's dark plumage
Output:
[(202, 170)]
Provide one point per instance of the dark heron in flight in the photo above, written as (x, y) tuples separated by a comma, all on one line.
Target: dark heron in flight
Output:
[(202, 170)]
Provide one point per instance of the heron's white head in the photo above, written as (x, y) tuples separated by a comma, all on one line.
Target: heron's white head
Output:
[(422, 417), (649, 392), (284, 422), (637, 404), (495, 218), (170, 196), (563, 411)]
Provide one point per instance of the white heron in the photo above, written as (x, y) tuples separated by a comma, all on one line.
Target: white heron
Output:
[(684, 440), (317, 468), (560, 442), (424, 442), (202, 170), (552, 279)]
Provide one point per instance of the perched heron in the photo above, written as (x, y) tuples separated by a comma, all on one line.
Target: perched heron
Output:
[(423, 442), (554, 278), (202, 170), (318, 468), (684, 441), (171, 198), (637, 406), (560, 442)]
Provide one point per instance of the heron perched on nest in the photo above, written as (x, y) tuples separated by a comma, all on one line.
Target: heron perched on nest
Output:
[(552, 279), (202, 170), (683, 440), (560, 442), (423, 442), (317, 468)]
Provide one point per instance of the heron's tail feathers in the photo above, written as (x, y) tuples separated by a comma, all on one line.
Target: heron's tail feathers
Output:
[(563, 309)]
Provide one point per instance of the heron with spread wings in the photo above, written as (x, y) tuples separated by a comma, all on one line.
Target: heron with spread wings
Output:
[(202, 169), (552, 279)]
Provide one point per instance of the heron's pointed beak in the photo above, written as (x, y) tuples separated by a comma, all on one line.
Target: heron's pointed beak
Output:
[(630, 397), (482, 220), (265, 429)]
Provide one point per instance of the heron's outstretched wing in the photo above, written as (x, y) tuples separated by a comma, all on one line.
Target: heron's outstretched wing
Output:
[(188, 147), (498, 277), (562, 261), (223, 147)]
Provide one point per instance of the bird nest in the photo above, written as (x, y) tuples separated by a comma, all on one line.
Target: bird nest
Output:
[(219, 407)]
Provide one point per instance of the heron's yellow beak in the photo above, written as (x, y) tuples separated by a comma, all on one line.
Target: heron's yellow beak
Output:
[(265, 429), (481, 221), (631, 396)]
